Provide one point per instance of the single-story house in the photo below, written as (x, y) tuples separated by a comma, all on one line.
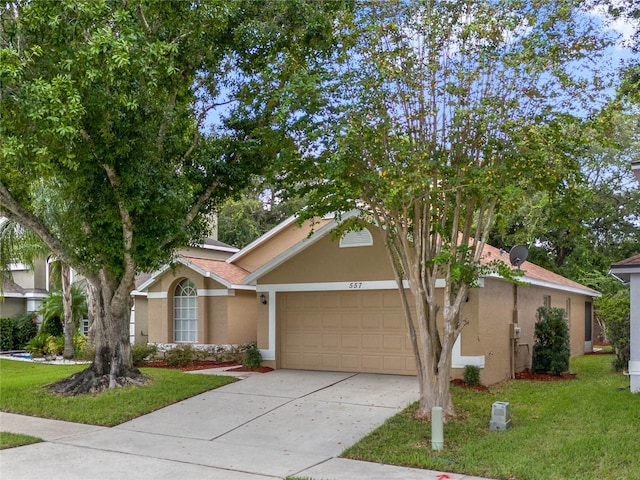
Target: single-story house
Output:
[(314, 302)]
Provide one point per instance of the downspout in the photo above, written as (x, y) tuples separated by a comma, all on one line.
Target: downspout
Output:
[(513, 332)]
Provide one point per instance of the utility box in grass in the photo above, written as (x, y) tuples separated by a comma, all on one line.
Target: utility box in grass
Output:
[(500, 416)]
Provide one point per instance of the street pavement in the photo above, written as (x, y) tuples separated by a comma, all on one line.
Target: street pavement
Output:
[(267, 426)]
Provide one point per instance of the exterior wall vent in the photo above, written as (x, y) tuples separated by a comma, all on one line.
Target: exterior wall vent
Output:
[(360, 238)]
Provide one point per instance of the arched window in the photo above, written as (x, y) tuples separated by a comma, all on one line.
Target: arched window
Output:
[(185, 312)]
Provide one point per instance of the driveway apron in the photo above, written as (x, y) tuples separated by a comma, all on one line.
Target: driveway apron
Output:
[(272, 425)]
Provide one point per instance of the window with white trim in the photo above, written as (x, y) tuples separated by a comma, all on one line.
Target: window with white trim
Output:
[(185, 312)]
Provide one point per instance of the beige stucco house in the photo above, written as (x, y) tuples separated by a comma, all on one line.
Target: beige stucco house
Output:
[(26, 290), (314, 302)]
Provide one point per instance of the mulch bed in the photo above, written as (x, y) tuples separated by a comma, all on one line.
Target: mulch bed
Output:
[(545, 377), (524, 375), (205, 365), (458, 382)]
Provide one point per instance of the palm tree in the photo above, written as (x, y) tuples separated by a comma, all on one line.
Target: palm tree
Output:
[(53, 306), (18, 245)]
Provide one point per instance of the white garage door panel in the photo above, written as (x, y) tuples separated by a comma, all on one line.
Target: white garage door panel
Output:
[(344, 331)]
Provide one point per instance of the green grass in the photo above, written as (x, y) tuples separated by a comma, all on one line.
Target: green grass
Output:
[(11, 440), (583, 429), (22, 390)]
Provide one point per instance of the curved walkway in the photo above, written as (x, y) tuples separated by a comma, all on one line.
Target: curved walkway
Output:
[(276, 425)]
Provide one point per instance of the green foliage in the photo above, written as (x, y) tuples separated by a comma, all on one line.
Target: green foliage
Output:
[(183, 355), (551, 350), (591, 222), (6, 334), (16, 332), (242, 220), (613, 310), (44, 345), (156, 111), (52, 326), (81, 348), (142, 351), (252, 358), (53, 306), (37, 346), (471, 375), (25, 328)]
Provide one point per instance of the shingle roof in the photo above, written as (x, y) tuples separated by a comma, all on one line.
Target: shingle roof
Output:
[(12, 287), (533, 271), (227, 271), (628, 262)]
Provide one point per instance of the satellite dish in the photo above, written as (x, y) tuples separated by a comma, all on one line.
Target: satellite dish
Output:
[(518, 255)]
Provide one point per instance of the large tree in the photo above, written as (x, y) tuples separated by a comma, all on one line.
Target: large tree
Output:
[(138, 118), (594, 222), (438, 111)]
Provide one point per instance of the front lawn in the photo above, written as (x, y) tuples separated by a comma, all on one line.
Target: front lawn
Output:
[(22, 387), (583, 429), (11, 440)]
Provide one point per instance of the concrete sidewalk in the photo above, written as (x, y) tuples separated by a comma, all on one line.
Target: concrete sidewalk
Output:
[(275, 425)]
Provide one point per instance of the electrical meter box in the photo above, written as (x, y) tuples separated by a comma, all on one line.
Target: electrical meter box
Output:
[(500, 416)]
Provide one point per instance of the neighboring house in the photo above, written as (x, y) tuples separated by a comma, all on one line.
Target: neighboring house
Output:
[(26, 291), (313, 302), (628, 270)]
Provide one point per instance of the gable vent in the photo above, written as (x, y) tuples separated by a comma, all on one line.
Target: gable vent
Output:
[(360, 238)]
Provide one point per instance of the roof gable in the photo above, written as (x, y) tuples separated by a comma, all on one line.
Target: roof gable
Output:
[(229, 275), (533, 274)]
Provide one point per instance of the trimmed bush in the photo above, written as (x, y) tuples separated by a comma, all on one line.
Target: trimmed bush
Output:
[(6, 334), (52, 326), (252, 358), (551, 350), (140, 351), (183, 355), (471, 375), (25, 327)]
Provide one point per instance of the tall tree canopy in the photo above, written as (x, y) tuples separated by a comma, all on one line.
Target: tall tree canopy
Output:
[(594, 222), (137, 118), (437, 113)]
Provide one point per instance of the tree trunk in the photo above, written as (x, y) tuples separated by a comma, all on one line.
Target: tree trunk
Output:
[(67, 309), (112, 364)]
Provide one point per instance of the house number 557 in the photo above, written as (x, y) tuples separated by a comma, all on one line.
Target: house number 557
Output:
[(355, 285)]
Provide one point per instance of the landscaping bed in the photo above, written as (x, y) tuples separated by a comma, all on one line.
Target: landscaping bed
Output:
[(204, 365)]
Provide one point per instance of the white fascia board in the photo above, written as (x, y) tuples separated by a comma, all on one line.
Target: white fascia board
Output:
[(263, 238), (34, 295), (153, 278), (558, 286), (138, 293), (297, 248), (621, 277), (338, 286), (12, 295), (625, 270), (218, 248)]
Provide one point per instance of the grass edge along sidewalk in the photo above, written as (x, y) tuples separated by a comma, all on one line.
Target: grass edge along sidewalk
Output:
[(23, 391), (585, 428)]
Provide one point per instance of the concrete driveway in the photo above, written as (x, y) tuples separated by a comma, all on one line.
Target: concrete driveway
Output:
[(273, 425)]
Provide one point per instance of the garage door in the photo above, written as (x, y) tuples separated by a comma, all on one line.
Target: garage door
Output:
[(347, 331)]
